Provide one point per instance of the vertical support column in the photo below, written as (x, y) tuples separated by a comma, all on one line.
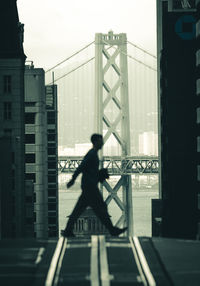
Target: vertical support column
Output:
[(125, 127), (98, 83), (99, 87)]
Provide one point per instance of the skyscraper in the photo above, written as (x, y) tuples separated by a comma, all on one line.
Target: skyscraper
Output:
[(198, 99), (177, 103), (12, 61)]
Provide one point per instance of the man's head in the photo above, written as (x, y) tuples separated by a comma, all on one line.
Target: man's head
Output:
[(97, 141)]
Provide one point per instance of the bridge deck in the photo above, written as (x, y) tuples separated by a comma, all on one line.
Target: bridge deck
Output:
[(100, 261), (116, 165)]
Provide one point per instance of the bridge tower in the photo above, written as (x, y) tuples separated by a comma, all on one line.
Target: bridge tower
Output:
[(111, 62)]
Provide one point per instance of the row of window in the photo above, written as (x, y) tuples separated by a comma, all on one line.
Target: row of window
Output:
[(29, 116), (32, 177), (30, 139), (7, 114), (31, 158)]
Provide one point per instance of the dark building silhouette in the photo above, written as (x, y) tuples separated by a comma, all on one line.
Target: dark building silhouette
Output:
[(12, 61), (6, 207), (178, 145), (52, 158), (198, 101)]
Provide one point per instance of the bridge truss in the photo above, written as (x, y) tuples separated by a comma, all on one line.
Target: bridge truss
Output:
[(117, 166)]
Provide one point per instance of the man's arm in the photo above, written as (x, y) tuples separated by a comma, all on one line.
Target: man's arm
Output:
[(79, 170)]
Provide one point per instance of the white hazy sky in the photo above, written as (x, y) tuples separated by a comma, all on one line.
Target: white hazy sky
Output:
[(54, 29)]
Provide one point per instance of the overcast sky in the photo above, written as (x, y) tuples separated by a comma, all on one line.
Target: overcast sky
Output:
[(54, 29)]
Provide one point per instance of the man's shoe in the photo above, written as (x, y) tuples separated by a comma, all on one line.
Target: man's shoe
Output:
[(67, 233), (117, 231)]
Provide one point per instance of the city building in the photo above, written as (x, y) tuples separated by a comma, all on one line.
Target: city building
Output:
[(148, 144), (12, 60), (177, 118), (198, 101), (52, 159), (41, 141), (6, 204), (36, 145)]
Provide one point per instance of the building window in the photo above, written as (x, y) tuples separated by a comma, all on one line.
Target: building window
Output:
[(51, 151), (7, 83), (34, 216), (51, 117), (30, 176), (51, 145), (51, 137), (7, 111), (30, 158), (52, 131), (52, 200), (52, 220), (52, 172), (52, 206), (51, 158), (30, 138), (52, 191), (52, 179), (29, 118), (52, 165)]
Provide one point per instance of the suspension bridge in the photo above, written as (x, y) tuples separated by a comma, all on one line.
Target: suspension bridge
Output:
[(100, 101)]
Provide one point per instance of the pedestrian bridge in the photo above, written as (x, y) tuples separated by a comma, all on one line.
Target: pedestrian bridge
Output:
[(100, 261)]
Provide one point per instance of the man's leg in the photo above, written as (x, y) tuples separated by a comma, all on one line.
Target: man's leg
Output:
[(100, 208), (77, 211)]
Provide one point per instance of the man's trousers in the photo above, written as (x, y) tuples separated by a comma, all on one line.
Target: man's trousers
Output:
[(94, 200)]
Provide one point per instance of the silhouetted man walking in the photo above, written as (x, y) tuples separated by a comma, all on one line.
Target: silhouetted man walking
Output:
[(90, 196)]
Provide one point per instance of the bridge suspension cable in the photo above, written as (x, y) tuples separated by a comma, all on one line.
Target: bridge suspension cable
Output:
[(140, 62), (72, 70), (145, 51), (76, 53), (66, 74), (133, 58), (112, 46)]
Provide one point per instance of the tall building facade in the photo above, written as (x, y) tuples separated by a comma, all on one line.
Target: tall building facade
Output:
[(52, 159), (12, 60), (177, 118), (198, 99), (6, 188), (36, 145)]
